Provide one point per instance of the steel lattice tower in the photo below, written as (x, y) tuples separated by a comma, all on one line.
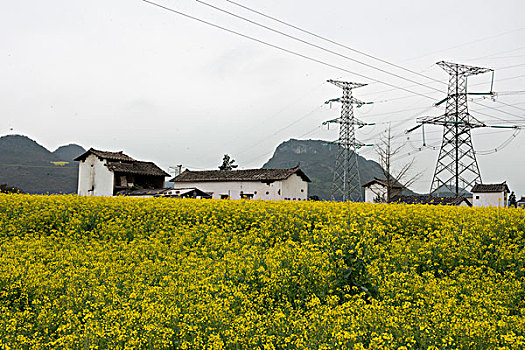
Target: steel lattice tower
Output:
[(457, 167), (347, 183)]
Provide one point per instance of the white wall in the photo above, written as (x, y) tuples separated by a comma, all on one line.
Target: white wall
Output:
[(372, 191), (272, 191), (295, 188), (498, 199), (94, 178)]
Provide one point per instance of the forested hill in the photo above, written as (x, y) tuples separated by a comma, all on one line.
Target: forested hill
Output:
[(317, 160), (34, 169)]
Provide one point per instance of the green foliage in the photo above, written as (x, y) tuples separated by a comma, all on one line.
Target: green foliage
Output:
[(227, 163), (512, 200)]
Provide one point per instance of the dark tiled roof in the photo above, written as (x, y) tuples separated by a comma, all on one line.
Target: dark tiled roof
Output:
[(490, 188), (521, 200), (383, 182), (192, 191), (142, 192), (240, 175), (165, 192), (137, 167), (117, 156), (432, 200)]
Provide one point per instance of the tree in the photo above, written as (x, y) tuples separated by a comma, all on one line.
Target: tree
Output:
[(227, 163), (512, 200), (5, 188), (402, 176)]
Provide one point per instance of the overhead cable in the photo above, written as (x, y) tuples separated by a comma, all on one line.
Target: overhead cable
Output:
[(282, 48), (332, 42)]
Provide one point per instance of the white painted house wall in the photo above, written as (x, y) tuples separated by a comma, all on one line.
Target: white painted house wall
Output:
[(94, 178), (490, 199), (374, 190), (295, 188), (274, 191)]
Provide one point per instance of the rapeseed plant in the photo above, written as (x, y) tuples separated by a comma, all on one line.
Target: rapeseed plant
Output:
[(100, 273)]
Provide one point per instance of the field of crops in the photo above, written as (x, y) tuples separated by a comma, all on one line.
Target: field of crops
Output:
[(189, 274)]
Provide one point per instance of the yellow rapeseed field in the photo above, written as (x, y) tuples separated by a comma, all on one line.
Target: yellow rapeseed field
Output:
[(115, 273)]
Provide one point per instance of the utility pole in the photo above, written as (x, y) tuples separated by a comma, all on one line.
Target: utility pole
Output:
[(457, 167), (346, 182)]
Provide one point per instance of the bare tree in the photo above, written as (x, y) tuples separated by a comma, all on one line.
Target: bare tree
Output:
[(388, 153), (227, 163)]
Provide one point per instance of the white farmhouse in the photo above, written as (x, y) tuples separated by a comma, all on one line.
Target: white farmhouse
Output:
[(102, 173), (375, 190), (266, 184), (490, 195)]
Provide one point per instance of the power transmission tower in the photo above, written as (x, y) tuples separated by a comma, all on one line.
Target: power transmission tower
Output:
[(457, 167), (347, 183)]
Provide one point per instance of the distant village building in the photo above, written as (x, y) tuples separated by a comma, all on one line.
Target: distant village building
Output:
[(266, 184), (431, 200), (102, 173), (490, 195), (376, 190), (521, 203)]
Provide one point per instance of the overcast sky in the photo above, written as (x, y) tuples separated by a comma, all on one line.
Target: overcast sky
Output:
[(127, 75)]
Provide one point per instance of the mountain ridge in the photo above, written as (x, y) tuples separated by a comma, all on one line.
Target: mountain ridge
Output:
[(31, 167)]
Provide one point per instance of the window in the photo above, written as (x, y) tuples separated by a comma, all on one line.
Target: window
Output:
[(267, 192), (477, 197), (302, 189)]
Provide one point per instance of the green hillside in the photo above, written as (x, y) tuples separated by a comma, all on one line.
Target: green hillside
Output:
[(68, 152), (317, 160), (34, 169)]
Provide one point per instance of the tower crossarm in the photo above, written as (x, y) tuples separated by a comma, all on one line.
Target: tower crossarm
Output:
[(346, 84), (351, 100), (491, 93), (354, 121), (446, 120), (462, 69)]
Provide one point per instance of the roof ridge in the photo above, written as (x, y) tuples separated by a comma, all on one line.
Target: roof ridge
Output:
[(257, 174)]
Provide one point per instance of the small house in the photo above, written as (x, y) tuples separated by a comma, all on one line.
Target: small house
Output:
[(103, 173), (266, 184), (521, 203), (376, 190), (490, 195)]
